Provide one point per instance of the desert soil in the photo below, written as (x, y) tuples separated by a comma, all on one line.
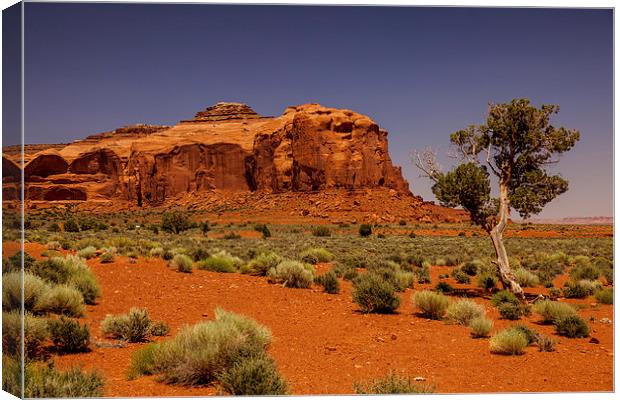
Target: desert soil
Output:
[(323, 344)]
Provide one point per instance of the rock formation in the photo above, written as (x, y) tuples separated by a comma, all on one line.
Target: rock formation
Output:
[(226, 148)]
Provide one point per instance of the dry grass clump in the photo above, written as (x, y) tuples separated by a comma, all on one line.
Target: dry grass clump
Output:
[(392, 383), (553, 311), (480, 327), (431, 304), (62, 300), (202, 353), (292, 274), (133, 327), (508, 342), (463, 312)]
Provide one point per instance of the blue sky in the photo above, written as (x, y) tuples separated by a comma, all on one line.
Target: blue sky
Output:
[(421, 73)]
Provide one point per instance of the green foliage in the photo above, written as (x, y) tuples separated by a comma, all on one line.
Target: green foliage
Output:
[(585, 270), (34, 287), (487, 281), (217, 264), (316, 255), (392, 383), (460, 276), (34, 332), (62, 300), (133, 327), (444, 287), (183, 263), (580, 289), (365, 230), (252, 376), (472, 267), (68, 335), (530, 334), (160, 328), (71, 225), (329, 281), (44, 380), (200, 353), (464, 311), (432, 305), (605, 296), (509, 342), (321, 231), (292, 274), (572, 326), (480, 327), (525, 278), (512, 311), (262, 263), (266, 233), (553, 311), (504, 296), (87, 252), (204, 227), (374, 295), (71, 271), (107, 257), (175, 222)]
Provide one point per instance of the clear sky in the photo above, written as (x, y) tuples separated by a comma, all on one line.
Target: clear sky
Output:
[(421, 73)]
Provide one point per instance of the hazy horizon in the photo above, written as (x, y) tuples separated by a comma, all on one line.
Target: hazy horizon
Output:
[(419, 72)]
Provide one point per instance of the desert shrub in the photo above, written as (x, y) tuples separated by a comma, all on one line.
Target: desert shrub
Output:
[(53, 270), (262, 263), (451, 260), (365, 230), (88, 242), (344, 271), (316, 255), (472, 267), (217, 264), (174, 222), (392, 274), (61, 299), (266, 233), (87, 252), (402, 222), (68, 335), (553, 311), (204, 227), (432, 305), (329, 281), (605, 296), (487, 281), (530, 334), (231, 236), (504, 296), (525, 278), (132, 327), (292, 274), (545, 343), (198, 354), (608, 274), (44, 380), (374, 295), (157, 252), (480, 327), (580, 289), (392, 383), (252, 376), (106, 257), (53, 245), (444, 287), (71, 225), (463, 312), (182, 262), (460, 276), (321, 231), (15, 262), (34, 332), (422, 274), (508, 342), (584, 270), (512, 311), (572, 326), (87, 284), (33, 286), (159, 328)]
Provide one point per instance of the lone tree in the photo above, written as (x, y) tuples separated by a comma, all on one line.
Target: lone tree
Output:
[(516, 145)]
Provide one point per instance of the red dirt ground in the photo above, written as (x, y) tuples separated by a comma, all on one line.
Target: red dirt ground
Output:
[(322, 344)]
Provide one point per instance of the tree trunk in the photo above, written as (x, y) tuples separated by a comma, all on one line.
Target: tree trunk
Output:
[(506, 275)]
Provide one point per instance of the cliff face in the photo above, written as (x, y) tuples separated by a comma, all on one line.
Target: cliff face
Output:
[(226, 147)]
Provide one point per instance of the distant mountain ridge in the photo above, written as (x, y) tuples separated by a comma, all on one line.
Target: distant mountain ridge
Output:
[(600, 220)]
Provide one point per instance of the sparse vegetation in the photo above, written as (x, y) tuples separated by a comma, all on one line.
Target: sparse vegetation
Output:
[(292, 274), (374, 295), (182, 263), (432, 305), (480, 327), (508, 342), (392, 383), (132, 327), (463, 312), (572, 326)]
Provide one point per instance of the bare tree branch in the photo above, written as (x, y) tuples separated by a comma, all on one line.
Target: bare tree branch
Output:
[(426, 161)]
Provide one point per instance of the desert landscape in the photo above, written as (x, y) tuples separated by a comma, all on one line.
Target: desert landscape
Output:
[(235, 253)]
